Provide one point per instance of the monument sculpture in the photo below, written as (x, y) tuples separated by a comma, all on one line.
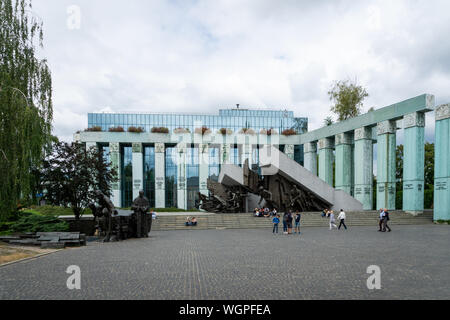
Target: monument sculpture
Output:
[(141, 217), (274, 191), (113, 226)]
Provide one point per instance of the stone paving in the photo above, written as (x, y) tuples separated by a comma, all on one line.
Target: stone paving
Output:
[(245, 264)]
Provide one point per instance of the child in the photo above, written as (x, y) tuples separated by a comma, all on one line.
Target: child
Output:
[(275, 221)]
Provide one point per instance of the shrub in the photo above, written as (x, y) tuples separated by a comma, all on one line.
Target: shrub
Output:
[(31, 222), (225, 131), (247, 131), (268, 132), (54, 210), (181, 130), (116, 129), (93, 129), (428, 199), (135, 129), (202, 130), (160, 130), (289, 132)]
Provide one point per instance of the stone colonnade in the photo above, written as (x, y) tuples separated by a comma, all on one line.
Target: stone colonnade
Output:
[(352, 154)]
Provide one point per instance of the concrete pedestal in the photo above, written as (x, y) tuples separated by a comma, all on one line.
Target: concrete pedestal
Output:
[(326, 158), (363, 167), (413, 162), (442, 164), (386, 144)]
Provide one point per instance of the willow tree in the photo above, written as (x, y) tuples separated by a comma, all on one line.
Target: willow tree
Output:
[(25, 102)]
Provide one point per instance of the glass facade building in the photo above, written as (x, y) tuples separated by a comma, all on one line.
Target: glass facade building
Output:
[(234, 119), (173, 169)]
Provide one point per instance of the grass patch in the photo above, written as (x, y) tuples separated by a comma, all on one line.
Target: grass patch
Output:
[(443, 221)]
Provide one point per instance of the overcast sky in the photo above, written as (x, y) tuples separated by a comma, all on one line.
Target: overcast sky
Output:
[(199, 56)]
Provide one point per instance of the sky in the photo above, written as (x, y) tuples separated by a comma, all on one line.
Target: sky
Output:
[(199, 56)]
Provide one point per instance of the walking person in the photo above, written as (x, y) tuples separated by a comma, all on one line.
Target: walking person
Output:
[(341, 218), (297, 222), (381, 219), (385, 220), (332, 221), (275, 221)]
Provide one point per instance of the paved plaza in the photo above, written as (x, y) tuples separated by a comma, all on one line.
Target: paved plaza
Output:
[(245, 264)]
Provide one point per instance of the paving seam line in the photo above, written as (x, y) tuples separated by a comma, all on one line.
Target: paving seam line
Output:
[(28, 258)]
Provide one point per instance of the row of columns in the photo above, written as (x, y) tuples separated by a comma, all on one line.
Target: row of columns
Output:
[(353, 159), (442, 164)]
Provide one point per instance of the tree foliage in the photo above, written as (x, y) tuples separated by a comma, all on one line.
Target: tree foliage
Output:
[(71, 174), (25, 102), (347, 98)]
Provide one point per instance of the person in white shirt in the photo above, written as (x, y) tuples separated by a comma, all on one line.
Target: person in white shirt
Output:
[(380, 223), (332, 221), (341, 218)]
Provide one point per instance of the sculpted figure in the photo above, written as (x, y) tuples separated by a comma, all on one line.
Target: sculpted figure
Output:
[(106, 211), (140, 206)]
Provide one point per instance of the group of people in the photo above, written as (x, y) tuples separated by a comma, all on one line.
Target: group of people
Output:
[(330, 214), (288, 218), (190, 222), (264, 212)]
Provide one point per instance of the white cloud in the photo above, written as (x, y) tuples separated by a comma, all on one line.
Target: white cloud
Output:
[(202, 55)]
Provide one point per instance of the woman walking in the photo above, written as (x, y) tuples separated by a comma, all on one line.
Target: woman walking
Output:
[(332, 221)]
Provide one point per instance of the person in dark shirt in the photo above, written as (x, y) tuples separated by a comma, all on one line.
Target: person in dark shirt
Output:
[(297, 222)]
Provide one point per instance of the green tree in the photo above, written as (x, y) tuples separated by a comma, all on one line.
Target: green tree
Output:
[(429, 165), (25, 102), (71, 174), (347, 98)]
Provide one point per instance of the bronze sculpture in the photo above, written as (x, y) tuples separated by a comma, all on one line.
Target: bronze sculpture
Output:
[(277, 191), (114, 227), (140, 208)]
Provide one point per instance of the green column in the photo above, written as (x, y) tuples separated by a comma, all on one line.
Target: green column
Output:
[(363, 167), (413, 162), (310, 156), (386, 164), (326, 160), (343, 162), (442, 164), (114, 156)]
